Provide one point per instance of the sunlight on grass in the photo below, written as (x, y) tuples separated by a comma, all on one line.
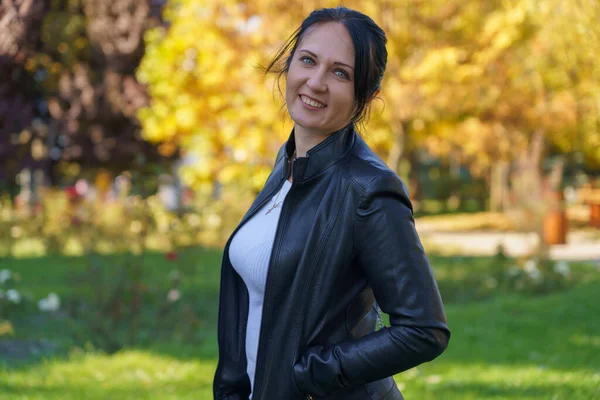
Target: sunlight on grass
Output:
[(143, 375), (126, 375), (28, 247), (584, 340), (73, 246)]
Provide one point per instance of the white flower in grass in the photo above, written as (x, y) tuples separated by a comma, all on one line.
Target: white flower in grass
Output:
[(532, 270), (5, 275), (562, 268), (173, 295), (13, 296), (535, 275), (530, 265), (49, 303)]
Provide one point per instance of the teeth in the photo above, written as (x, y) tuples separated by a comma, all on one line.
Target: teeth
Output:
[(312, 102)]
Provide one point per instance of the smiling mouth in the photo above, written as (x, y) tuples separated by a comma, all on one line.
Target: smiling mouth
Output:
[(311, 102)]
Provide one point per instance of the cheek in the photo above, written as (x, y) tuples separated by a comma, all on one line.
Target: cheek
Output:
[(291, 84), (293, 73), (346, 102)]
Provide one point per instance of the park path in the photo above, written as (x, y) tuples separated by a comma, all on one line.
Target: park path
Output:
[(581, 245)]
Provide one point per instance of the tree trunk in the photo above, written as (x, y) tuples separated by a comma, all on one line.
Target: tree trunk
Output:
[(397, 152), (499, 186), (398, 146)]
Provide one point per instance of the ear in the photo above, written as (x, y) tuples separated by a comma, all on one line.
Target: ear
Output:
[(374, 95)]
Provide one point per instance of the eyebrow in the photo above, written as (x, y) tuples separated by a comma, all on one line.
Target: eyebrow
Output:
[(336, 62)]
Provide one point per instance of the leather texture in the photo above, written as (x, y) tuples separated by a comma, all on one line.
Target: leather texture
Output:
[(345, 241)]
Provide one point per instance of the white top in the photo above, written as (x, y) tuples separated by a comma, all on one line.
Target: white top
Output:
[(250, 253)]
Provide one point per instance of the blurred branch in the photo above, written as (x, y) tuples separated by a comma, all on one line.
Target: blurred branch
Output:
[(20, 22)]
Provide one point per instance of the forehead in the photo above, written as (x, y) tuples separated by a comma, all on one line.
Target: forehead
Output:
[(329, 40)]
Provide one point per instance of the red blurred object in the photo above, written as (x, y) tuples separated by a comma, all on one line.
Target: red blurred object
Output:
[(71, 192), (75, 221), (19, 202), (38, 209), (172, 256)]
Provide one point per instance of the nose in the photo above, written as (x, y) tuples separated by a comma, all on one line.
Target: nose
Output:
[(316, 82)]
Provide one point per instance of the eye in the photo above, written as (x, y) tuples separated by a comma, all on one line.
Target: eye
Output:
[(341, 73), (307, 60)]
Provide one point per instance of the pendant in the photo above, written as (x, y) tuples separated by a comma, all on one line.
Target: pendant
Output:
[(274, 206)]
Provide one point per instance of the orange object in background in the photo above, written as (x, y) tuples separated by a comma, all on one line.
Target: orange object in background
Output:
[(555, 223), (591, 197), (555, 227), (595, 215)]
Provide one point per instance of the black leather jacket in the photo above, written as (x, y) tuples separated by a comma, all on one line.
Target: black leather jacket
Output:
[(345, 238)]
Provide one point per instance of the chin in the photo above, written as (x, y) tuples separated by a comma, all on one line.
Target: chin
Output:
[(309, 123), (305, 123), (307, 127)]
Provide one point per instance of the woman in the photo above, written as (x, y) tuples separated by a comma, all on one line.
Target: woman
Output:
[(331, 232)]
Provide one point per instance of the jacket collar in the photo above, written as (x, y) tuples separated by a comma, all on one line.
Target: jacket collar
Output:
[(320, 157)]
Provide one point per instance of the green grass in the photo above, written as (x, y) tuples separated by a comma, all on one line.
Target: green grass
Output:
[(517, 348), (131, 374), (503, 346)]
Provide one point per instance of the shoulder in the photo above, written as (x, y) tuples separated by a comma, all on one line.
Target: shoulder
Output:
[(369, 174)]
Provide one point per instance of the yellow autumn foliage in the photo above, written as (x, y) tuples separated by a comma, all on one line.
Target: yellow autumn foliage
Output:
[(475, 78)]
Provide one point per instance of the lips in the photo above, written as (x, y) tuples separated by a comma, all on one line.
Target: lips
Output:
[(311, 102)]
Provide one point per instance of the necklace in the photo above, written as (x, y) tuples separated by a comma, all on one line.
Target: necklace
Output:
[(275, 203)]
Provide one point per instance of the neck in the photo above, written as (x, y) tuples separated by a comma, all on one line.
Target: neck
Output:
[(306, 140)]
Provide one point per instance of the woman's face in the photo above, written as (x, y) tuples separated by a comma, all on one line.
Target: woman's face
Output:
[(320, 80)]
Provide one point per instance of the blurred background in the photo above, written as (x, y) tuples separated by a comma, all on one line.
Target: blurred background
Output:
[(134, 134)]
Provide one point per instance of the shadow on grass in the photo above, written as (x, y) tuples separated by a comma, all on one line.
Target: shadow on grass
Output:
[(66, 275), (161, 324)]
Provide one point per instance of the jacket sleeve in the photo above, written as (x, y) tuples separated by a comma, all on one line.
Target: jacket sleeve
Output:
[(237, 388), (388, 250)]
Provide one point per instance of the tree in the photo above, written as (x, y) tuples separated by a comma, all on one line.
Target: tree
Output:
[(215, 104), (19, 37), (464, 80), (87, 95)]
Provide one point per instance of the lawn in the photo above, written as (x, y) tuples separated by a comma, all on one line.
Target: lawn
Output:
[(503, 346)]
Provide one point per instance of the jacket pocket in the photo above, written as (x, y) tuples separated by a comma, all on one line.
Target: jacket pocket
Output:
[(299, 392), (383, 389), (361, 316)]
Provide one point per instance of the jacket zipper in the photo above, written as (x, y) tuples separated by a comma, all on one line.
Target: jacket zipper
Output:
[(248, 215), (267, 306)]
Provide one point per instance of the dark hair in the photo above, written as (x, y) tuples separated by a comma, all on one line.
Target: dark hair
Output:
[(370, 54)]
